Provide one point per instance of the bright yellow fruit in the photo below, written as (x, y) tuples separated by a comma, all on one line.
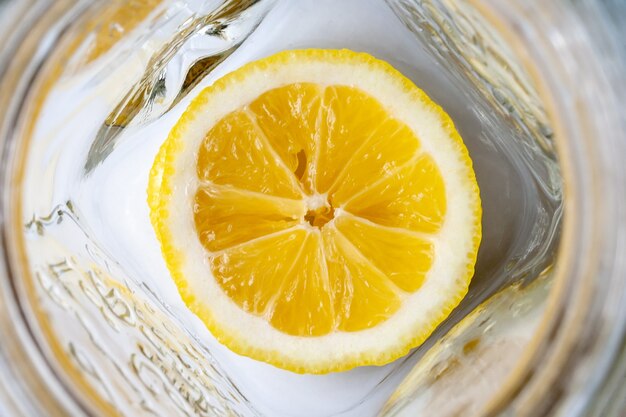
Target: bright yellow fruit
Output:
[(317, 211)]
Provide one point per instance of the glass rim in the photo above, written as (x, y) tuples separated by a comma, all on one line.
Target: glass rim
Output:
[(554, 344), (590, 229)]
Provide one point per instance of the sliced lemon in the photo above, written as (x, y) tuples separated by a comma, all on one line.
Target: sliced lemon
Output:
[(317, 211)]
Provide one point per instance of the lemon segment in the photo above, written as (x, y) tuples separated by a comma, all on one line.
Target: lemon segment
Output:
[(289, 117), (392, 200), (363, 295), (225, 216), (403, 257), (244, 161), (303, 305)]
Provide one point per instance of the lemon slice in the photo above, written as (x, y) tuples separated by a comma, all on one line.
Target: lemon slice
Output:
[(317, 211)]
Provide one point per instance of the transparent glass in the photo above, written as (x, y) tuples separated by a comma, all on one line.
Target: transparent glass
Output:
[(91, 322)]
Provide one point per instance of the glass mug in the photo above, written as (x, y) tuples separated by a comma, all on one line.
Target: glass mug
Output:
[(92, 325)]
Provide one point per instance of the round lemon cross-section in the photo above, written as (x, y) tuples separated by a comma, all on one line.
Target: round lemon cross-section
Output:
[(317, 211)]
